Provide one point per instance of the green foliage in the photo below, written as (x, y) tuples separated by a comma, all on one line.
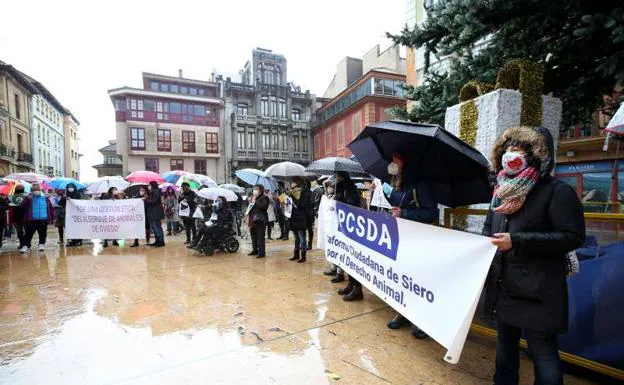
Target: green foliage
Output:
[(578, 43)]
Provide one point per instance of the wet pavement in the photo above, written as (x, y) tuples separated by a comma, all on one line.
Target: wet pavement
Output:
[(89, 315)]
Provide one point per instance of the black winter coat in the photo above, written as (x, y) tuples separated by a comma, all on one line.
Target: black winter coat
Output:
[(153, 206), (260, 208), (346, 192), (526, 286), (301, 211)]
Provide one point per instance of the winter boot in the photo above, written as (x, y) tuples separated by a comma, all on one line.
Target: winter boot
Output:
[(105, 244), (115, 243), (295, 255), (355, 294), (332, 272), (338, 278), (398, 322), (304, 252), (135, 244), (347, 289)]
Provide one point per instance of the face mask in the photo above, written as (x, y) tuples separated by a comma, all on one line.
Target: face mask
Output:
[(256, 193), (514, 162), (36, 193), (330, 190), (393, 169), (71, 189)]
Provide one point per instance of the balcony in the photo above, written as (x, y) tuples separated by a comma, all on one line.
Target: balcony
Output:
[(302, 156), (246, 154), (301, 125), (272, 154), (239, 87), (248, 120), (7, 151), (24, 157), (300, 95)]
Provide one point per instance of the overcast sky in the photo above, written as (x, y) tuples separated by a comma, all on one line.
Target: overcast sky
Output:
[(80, 49)]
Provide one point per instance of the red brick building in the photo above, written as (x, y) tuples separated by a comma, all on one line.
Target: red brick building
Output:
[(367, 100)]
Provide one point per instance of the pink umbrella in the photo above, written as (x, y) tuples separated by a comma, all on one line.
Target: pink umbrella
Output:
[(166, 185), (30, 177), (144, 177)]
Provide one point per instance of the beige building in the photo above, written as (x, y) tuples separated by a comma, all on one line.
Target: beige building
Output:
[(71, 126), (172, 123), (15, 134)]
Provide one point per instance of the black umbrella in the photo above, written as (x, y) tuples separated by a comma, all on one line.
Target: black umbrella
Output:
[(456, 172), (332, 165)]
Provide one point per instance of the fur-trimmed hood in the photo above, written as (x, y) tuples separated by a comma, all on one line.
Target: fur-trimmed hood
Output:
[(538, 139)]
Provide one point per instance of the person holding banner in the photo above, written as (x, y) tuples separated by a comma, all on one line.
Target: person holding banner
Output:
[(535, 220), (412, 202), (16, 213), (72, 193), (346, 192), (299, 218), (110, 195), (155, 213), (38, 213), (142, 195), (187, 208)]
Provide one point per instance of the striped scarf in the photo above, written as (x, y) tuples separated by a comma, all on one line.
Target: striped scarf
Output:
[(511, 191)]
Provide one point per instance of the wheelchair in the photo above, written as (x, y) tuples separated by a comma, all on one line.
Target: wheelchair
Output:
[(225, 240)]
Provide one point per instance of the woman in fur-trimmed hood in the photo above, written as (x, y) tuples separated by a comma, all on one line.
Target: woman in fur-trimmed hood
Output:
[(535, 220)]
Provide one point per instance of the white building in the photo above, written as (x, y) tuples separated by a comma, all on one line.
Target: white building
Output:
[(48, 133)]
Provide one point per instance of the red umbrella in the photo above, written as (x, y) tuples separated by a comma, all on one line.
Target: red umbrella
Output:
[(144, 177)]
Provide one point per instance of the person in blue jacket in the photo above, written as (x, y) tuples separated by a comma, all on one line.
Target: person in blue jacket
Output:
[(414, 202)]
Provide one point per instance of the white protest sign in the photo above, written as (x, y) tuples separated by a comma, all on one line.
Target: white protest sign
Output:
[(185, 209), (105, 219), (431, 275)]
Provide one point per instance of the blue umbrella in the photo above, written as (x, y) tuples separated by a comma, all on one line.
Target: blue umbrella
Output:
[(61, 183), (252, 176)]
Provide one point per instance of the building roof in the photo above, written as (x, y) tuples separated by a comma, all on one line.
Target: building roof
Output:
[(165, 95), (178, 79), (20, 77), (112, 147), (46, 93)]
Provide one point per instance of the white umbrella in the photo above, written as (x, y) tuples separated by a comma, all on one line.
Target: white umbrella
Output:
[(233, 187), (286, 170), (212, 193), (101, 185)]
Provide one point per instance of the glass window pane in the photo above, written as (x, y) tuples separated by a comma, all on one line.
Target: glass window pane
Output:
[(596, 188), (378, 88), (154, 86), (175, 108), (193, 91), (164, 87), (183, 90), (148, 105), (388, 87), (200, 110), (173, 88)]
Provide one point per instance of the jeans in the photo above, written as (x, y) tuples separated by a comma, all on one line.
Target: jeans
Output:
[(300, 239), (310, 229), (189, 225), (542, 348), (41, 227), (257, 239), (158, 231)]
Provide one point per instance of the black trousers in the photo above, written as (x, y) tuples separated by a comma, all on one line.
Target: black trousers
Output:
[(354, 282), (20, 229), (41, 227), (189, 224), (310, 228), (2, 228), (257, 239)]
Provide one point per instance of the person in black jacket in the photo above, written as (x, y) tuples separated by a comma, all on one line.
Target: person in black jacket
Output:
[(258, 219), (155, 213), (188, 196), (216, 225), (535, 220), (142, 194), (346, 192), (111, 194), (299, 219), (71, 193), (4, 206)]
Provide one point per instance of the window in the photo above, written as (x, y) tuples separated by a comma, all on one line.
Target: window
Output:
[(355, 125), (164, 140), (317, 144), (162, 111), (275, 141), (251, 140), (188, 141), (304, 143), (18, 111), (278, 76), (202, 91), (296, 143), (241, 109), (136, 108), (266, 141), (264, 106), (173, 88), (177, 164), (283, 142), (200, 167), (193, 91), (240, 139), (273, 106), (154, 86), (137, 138), (164, 87), (183, 90), (340, 139), (175, 108), (296, 114), (212, 143), (282, 108), (148, 105), (199, 110), (151, 164), (328, 140)]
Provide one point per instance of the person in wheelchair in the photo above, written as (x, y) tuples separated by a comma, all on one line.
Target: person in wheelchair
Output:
[(217, 230)]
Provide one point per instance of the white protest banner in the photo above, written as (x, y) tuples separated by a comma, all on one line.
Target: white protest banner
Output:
[(105, 219), (431, 275)]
